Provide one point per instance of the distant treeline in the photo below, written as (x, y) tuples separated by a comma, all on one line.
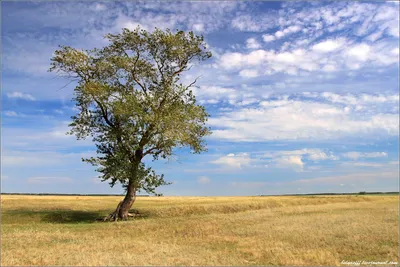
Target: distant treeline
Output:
[(311, 194), (54, 194), (355, 193)]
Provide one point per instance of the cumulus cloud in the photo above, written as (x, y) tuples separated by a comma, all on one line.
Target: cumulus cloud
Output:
[(326, 55), (268, 38), (234, 160), (252, 43), (359, 52), (290, 161), (328, 45)]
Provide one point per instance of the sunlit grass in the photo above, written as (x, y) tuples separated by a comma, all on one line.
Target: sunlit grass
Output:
[(323, 230)]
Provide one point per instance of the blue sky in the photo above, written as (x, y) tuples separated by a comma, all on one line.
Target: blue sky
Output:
[(303, 97)]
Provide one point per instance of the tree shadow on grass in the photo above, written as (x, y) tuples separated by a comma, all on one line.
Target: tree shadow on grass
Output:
[(74, 216), (71, 216), (60, 216), (50, 216)]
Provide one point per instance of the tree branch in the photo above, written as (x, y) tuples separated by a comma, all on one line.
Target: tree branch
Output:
[(104, 113)]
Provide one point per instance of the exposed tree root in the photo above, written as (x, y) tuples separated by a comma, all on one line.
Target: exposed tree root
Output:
[(113, 217)]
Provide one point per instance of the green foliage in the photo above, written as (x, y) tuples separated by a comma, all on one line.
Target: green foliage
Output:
[(132, 103)]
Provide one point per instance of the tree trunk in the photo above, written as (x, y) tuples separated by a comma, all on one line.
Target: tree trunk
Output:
[(127, 203), (122, 210)]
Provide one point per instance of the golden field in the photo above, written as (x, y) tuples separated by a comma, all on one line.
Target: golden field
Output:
[(240, 231)]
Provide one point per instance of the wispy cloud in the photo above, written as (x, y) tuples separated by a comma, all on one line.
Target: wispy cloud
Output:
[(288, 119), (203, 180), (20, 95), (357, 155), (48, 180)]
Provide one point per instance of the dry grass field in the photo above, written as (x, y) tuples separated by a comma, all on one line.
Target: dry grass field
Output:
[(240, 231)]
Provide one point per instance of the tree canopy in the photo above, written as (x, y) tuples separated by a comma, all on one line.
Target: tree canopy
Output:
[(132, 102)]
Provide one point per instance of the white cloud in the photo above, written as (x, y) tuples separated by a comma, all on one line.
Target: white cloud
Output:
[(311, 154), (40, 158), (268, 38), (48, 180), (333, 54), (328, 46), (11, 113), (248, 73), (300, 120), (100, 7), (360, 52), (374, 180), (359, 178), (96, 180), (356, 155), (317, 155), (248, 101), (198, 27), (290, 162), (325, 56), (24, 96), (231, 60), (363, 99), (252, 23), (363, 164), (287, 31), (203, 180), (234, 160), (252, 43), (329, 68), (279, 34), (294, 158), (89, 26), (130, 24), (216, 94)]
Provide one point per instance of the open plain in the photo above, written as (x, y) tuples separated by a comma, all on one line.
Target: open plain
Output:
[(240, 231)]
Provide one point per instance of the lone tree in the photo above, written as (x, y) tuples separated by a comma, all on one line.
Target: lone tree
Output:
[(132, 103)]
